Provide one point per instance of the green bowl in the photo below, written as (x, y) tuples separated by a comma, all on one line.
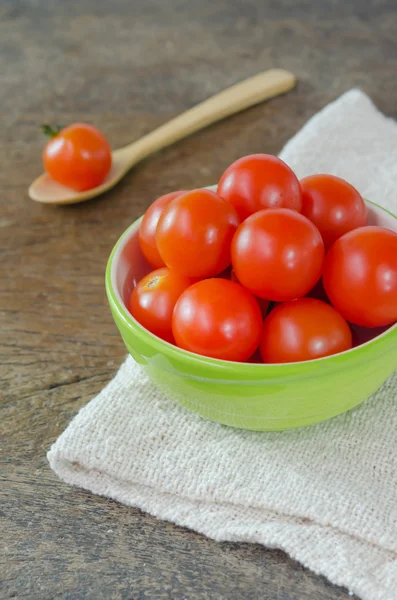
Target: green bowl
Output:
[(249, 396)]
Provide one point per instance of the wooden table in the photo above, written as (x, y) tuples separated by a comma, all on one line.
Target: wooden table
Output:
[(128, 66)]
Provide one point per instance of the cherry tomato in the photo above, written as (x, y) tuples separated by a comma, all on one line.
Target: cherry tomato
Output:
[(333, 205), (304, 329), (78, 157), (260, 181), (152, 301), (277, 254), (217, 318), (147, 230), (360, 276), (194, 234)]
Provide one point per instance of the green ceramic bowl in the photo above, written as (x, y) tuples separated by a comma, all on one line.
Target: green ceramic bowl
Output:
[(249, 396)]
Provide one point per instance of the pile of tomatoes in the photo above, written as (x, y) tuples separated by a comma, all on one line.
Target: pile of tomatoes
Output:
[(268, 268)]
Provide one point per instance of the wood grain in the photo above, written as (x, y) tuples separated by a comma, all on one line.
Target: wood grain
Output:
[(128, 67)]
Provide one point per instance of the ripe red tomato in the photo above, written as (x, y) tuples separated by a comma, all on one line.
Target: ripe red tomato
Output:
[(360, 276), (260, 181), (78, 157), (217, 318), (277, 254), (194, 233), (152, 301), (304, 329), (333, 205), (147, 230)]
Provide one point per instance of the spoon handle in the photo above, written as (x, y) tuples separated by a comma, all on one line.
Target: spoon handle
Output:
[(232, 100)]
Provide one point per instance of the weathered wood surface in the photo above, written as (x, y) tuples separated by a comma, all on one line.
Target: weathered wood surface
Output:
[(128, 66)]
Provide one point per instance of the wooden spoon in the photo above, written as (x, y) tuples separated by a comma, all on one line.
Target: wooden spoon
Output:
[(234, 99)]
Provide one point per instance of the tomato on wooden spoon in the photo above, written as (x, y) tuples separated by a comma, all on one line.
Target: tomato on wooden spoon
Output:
[(78, 157)]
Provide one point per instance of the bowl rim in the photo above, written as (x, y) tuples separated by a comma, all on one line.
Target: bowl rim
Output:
[(172, 351)]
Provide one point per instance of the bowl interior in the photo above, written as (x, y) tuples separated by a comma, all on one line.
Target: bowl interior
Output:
[(128, 265)]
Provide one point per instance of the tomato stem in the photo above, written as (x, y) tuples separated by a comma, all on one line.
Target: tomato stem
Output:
[(51, 130)]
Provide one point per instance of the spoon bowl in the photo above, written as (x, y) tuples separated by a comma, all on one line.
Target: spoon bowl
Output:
[(46, 190)]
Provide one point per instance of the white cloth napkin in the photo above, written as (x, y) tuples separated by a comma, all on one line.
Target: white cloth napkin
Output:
[(326, 494)]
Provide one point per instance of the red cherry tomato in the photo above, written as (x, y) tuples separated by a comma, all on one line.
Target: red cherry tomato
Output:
[(360, 276), (194, 234), (260, 181), (78, 157), (277, 254), (152, 301), (333, 205), (147, 230), (217, 318), (304, 329)]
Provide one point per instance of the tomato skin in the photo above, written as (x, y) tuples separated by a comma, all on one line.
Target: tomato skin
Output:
[(277, 254), (260, 181), (333, 205), (360, 276), (79, 157), (147, 229), (194, 234), (217, 318), (262, 303), (304, 329), (153, 300)]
